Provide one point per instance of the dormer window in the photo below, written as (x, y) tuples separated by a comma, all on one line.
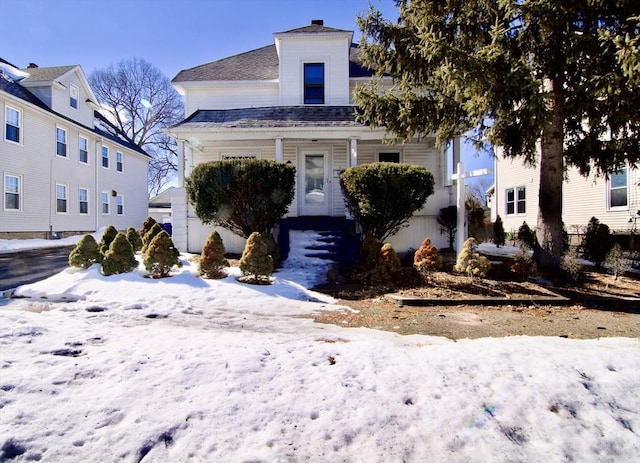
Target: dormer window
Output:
[(73, 96), (314, 83)]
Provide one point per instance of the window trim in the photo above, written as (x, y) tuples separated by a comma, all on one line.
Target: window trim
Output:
[(610, 189), (516, 201), (64, 143), (65, 199), (74, 89), (5, 192), (119, 205), (18, 127), (103, 195), (305, 86), (119, 161), (80, 201), (80, 151), (103, 157)]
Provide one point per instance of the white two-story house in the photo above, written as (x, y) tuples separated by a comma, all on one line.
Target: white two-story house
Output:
[(292, 101), (61, 173)]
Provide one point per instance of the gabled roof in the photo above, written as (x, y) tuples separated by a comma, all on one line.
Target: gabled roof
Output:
[(48, 74), (259, 64), (272, 117), (314, 29)]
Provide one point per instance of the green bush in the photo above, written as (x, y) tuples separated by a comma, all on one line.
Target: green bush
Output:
[(134, 239), (147, 225), (427, 259), (108, 236), (256, 261), (616, 261), (272, 247), (471, 262), (597, 242), (85, 254), (150, 235), (499, 236), (242, 196), (161, 255), (383, 196), (212, 260), (120, 257), (448, 221), (370, 251), (569, 264), (526, 236), (388, 263)]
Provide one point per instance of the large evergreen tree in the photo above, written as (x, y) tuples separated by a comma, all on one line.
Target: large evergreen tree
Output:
[(554, 82)]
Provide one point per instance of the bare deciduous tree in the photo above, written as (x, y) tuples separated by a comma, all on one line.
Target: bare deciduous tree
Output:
[(140, 101)]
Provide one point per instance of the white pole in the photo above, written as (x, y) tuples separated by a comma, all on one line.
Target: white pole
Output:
[(460, 232)]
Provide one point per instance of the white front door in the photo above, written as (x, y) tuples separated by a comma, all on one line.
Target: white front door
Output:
[(314, 182)]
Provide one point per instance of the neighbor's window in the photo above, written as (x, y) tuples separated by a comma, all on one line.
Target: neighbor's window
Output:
[(12, 124), (618, 189), (105, 157), (389, 156), (314, 83), (73, 96), (61, 142), (516, 200), (83, 147), (83, 197), (61, 198), (119, 205), (105, 202), (12, 192), (119, 162)]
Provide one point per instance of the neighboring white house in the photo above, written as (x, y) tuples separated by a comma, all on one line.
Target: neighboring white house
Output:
[(160, 206), (292, 101), (61, 173), (614, 201)]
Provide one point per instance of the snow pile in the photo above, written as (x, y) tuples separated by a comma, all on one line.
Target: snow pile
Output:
[(184, 369)]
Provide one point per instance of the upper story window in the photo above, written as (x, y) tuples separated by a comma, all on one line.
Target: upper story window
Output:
[(105, 202), (83, 150), (617, 189), (389, 156), (119, 162), (12, 124), (83, 200), (516, 200), (73, 96), (61, 198), (12, 192), (119, 205), (61, 142), (314, 83), (105, 157)]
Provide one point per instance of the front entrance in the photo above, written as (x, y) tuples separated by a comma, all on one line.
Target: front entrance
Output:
[(314, 182)]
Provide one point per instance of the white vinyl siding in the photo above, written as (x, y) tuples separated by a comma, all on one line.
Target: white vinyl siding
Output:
[(83, 150), (13, 122), (83, 201), (61, 142), (61, 198), (12, 192)]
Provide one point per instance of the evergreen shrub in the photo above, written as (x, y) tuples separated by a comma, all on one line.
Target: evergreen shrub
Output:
[(387, 264), (212, 260), (499, 236), (470, 262), (147, 225), (256, 261), (85, 254), (150, 235), (134, 239), (597, 242), (427, 259), (108, 236), (161, 255), (120, 257)]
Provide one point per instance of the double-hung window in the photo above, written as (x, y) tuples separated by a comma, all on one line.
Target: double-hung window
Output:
[(314, 83), (73, 96), (119, 162), (61, 198), (12, 118), (61, 142), (105, 157), (105, 202), (83, 199), (83, 150), (11, 192), (119, 205), (617, 187), (516, 200)]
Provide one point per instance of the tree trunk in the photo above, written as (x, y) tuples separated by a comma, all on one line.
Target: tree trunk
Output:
[(548, 252)]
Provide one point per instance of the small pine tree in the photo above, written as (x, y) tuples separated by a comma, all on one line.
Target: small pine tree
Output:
[(212, 259), (161, 255), (85, 254), (370, 251), (597, 242), (120, 257), (387, 264), (499, 235), (147, 225), (134, 239), (272, 247), (427, 259), (526, 236), (617, 262), (470, 261), (150, 235), (523, 264), (256, 261), (570, 265), (108, 236)]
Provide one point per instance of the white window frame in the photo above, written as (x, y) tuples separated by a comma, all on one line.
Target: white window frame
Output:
[(6, 192), (65, 143), (119, 161), (105, 194), (516, 201), (65, 198), (8, 108), (103, 151), (74, 96), (80, 150), (383, 152), (81, 201), (119, 205), (611, 188)]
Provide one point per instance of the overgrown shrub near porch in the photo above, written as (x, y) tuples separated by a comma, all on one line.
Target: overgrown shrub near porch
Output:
[(383, 196)]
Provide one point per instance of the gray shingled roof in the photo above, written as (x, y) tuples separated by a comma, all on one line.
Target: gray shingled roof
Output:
[(47, 74), (273, 117), (259, 64), (313, 29)]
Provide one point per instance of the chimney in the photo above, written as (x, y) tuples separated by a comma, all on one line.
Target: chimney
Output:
[(32, 65), (317, 22)]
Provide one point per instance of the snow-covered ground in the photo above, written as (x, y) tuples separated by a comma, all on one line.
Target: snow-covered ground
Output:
[(183, 369)]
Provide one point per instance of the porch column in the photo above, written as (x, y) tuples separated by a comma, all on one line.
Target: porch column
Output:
[(279, 156), (353, 152), (180, 163), (456, 151)]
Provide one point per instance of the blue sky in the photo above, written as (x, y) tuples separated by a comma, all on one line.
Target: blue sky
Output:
[(170, 34)]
